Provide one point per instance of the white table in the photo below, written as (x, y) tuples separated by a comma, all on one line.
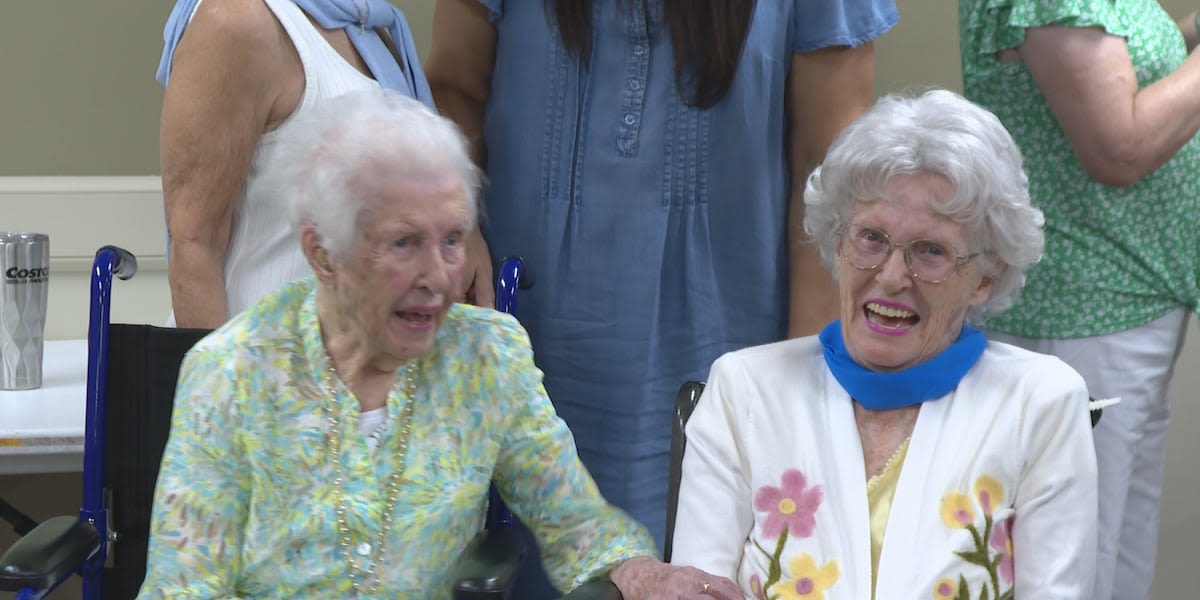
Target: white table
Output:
[(41, 430)]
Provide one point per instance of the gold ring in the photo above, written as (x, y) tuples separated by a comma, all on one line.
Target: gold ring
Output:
[(705, 590)]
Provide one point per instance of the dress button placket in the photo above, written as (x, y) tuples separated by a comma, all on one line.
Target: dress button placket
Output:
[(637, 67)]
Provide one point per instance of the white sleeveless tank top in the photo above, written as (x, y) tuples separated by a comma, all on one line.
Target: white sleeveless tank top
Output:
[(264, 253)]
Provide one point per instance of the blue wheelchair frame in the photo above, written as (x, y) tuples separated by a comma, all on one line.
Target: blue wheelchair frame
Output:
[(508, 281), (90, 530), (109, 261)]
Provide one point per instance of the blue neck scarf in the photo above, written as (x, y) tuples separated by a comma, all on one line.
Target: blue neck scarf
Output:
[(880, 390), (405, 77)]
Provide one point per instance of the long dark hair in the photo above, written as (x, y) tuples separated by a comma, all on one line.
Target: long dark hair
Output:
[(706, 35)]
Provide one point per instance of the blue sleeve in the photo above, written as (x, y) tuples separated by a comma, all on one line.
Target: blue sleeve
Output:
[(840, 22), (495, 9)]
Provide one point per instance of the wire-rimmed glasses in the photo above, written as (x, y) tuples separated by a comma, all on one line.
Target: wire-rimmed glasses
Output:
[(868, 248)]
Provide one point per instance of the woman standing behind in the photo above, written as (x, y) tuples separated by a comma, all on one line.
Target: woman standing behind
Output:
[(647, 157), (1102, 97), (237, 74)]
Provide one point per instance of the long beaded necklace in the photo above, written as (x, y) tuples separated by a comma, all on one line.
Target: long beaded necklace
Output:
[(366, 581)]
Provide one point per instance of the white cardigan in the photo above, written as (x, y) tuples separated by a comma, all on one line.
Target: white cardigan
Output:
[(1017, 425)]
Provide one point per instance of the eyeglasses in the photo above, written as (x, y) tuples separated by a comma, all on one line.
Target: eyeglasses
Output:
[(867, 248)]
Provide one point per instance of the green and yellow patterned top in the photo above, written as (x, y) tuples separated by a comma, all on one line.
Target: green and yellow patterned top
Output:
[(1115, 258), (245, 502)]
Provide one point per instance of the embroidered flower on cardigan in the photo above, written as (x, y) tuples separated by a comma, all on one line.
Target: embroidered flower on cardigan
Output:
[(957, 511), (993, 548), (809, 581), (791, 508), (1002, 543), (756, 587), (987, 493), (943, 589)]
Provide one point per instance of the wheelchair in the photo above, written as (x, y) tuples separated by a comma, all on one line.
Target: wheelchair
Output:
[(131, 376)]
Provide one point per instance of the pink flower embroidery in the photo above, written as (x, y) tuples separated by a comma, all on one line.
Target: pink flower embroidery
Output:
[(790, 505), (1002, 543)]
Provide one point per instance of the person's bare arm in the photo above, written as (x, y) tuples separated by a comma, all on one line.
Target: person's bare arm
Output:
[(1119, 133), (217, 105), (459, 71), (826, 90)]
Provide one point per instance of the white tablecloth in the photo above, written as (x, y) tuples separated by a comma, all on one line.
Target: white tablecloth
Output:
[(41, 430)]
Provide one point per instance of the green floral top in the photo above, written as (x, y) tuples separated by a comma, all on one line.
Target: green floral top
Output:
[(245, 502), (1115, 258)]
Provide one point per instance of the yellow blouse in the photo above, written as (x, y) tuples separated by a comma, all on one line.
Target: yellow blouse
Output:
[(880, 491)]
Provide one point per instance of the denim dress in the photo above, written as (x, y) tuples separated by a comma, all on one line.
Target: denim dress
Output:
[(657, 231)]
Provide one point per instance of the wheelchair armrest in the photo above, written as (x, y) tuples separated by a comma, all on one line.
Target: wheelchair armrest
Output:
[(488, 565), (48, 554), (595, 590)]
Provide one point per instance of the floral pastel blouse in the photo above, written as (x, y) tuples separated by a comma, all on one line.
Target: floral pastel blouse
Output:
[(245, 502)]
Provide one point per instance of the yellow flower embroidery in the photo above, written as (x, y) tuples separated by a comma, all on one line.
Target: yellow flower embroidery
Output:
[(988, 492), (992, 540), (943, 589), (957, 511), (808, 581)]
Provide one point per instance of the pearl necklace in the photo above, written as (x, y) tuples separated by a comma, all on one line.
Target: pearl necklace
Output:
[(365, 581)]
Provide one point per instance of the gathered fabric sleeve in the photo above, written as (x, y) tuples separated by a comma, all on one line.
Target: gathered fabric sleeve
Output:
[(1000, 24), (828, 23), (1056, 503), (201, 498), (715, 514), (581, 537)]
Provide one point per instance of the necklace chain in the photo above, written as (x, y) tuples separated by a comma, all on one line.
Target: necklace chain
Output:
[(365, 581)]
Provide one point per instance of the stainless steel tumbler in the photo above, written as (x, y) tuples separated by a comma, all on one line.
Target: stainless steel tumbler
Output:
[(25, 264)]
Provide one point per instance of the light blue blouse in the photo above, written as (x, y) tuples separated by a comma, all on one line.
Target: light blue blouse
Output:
[(657, 230)]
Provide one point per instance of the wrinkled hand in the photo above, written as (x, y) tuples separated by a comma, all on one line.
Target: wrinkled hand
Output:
[(478, 286), (646, 578)]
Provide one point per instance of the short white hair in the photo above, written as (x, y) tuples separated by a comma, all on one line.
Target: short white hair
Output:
[(321, 155), (941, 133)]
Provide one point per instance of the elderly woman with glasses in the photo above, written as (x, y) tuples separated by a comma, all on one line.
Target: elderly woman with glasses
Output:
[(337, 439), (900, 454)]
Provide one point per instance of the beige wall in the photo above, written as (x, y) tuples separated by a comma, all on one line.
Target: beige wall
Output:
[(77, 98), (922, 50), (78, 95)]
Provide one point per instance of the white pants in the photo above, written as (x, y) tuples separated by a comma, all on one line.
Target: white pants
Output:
[(1136, 366)]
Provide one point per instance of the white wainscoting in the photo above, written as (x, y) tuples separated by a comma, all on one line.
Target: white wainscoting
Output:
[(81, 214)]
